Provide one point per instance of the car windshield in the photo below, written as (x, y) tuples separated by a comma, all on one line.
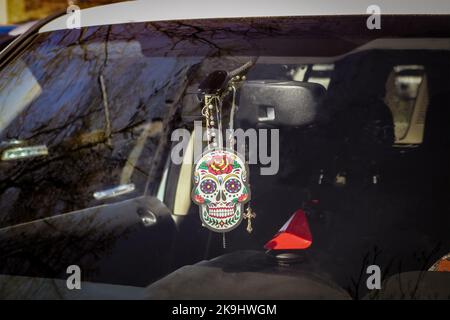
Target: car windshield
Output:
[(87, 119)]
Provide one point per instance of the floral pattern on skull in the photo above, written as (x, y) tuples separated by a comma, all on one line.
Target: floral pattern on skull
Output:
[(221, 189)]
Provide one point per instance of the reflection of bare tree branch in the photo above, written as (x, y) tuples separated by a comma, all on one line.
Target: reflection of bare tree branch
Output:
[(150, 130), (408, 292), (156, 162), (354, 291), (426, 262), (107, 113)]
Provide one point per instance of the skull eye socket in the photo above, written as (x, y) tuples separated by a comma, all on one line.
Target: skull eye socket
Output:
[(208, 186), (233, 186)]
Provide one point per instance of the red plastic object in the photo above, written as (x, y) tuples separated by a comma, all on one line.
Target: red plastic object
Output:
[(294, 235)]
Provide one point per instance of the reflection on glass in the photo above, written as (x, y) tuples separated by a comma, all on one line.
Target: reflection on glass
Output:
[(17, 94), (24, 153), (114, 192)]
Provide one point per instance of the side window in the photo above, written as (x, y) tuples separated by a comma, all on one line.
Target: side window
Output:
[(53, 137), (407, 96), (80, 127)]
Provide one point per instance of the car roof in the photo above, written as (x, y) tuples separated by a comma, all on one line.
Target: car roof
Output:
[(168, 10)]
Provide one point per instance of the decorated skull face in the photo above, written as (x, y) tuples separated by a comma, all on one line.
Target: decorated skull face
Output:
[(221, 189)]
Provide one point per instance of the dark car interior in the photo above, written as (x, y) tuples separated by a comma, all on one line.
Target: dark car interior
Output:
[(402, 217)]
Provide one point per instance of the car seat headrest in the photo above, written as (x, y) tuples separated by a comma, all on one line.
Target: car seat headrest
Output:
[(270, 103)]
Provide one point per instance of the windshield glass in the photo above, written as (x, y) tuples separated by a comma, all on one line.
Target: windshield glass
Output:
[(87, 117), (97, 100)]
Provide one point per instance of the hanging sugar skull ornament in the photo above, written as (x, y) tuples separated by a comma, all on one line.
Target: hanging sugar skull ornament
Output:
[(221, 189), (221, 186)]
